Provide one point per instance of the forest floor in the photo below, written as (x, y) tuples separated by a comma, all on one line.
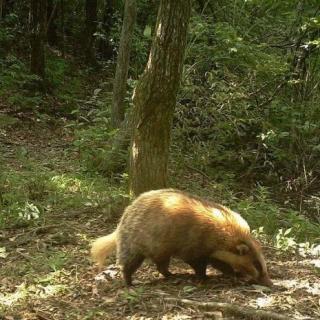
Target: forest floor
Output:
[(46, 272)]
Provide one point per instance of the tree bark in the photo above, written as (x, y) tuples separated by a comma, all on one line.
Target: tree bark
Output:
[(2, 8), (38, 15), (52, 15), (155, 98), (62, 44), (120, 81), (104, 45), (90, 29)]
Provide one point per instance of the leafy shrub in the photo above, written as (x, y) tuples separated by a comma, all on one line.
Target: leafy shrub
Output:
[(15, 81), (28, 195), (240, 108), (96, 147), (260, 210)]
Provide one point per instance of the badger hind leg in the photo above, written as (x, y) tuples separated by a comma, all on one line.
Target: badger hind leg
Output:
[(130, 266), (199, 266)]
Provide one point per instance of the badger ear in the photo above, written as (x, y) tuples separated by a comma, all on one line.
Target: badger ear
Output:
[(243, 249)]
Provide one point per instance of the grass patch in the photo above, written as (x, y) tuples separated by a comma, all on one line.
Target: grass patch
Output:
[(33, 191)]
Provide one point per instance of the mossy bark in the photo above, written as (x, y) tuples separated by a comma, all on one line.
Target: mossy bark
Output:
[(155, 98)]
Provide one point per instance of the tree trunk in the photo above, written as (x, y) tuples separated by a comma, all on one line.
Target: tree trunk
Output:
[(2, 8), (155, 98), (62, 44), (120, 81), (90, 29), (38, 15), (52, 35), (104, 45)]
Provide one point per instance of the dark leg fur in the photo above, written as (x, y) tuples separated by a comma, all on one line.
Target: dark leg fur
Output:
[(130, 267), (222, 266), (163, 266), (200, 267)]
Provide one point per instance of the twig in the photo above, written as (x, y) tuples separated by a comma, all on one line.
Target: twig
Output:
[(24, 255), (199, 171), (43, 315), (51, 16), (38, 229), (10, 142), (247, 311), (267, 101), (44, 228)]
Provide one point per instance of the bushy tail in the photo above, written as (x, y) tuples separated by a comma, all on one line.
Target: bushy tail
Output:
[(103, 247)]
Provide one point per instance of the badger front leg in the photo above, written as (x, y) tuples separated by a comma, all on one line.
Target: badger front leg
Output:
[(222, 266), (199, 266), (162, 264)]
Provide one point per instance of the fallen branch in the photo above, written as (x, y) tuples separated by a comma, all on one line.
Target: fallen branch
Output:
[(234, 309), (37, 230), (199, 171)]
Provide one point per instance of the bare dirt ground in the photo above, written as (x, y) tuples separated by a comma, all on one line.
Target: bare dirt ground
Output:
[(47, 274)]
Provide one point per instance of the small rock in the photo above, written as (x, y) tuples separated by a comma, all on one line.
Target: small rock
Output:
[(316, 251)]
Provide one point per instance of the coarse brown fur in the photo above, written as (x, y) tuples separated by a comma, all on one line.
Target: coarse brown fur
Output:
[(164, 223)]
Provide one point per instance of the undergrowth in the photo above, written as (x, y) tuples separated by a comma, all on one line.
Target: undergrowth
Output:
[(244, 123), (67, 87), (30, 194)]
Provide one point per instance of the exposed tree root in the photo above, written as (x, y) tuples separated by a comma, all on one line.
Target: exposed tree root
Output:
[(231, 308)]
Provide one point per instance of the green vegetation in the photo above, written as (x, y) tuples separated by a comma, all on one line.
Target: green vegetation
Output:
[(35, 191), (247, 118), (246, 133)]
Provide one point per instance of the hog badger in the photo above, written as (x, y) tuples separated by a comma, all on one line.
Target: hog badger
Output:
[(164, 223)]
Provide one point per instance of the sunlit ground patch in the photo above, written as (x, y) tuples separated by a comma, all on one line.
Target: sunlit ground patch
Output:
[(24, 292)]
